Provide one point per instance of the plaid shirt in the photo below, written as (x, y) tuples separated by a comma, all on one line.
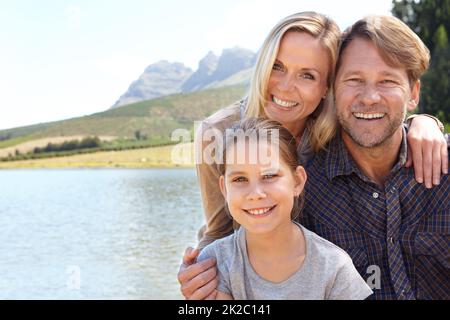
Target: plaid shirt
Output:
[(401, 231)]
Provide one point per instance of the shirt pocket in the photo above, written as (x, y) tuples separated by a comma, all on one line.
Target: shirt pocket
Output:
[(433, 247), (437, 222), (359, 258)]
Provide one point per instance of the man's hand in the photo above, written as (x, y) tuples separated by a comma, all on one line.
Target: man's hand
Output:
[(198, 280), (427, 151)]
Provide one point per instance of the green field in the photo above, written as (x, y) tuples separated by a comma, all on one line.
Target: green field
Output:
[(157, 157)]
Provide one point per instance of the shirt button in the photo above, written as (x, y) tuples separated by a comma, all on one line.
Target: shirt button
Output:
[(375, 195), (391, 240), (392, 189)]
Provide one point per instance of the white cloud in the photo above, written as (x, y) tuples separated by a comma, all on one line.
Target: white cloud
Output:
[(73, 16)]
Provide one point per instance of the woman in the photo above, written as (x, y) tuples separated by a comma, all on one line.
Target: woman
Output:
[(292, 84)]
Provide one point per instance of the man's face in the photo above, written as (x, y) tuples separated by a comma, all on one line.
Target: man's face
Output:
[(371, 96)]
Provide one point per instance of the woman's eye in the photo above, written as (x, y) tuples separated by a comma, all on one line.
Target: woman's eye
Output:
[(308, 76), (277, 67)]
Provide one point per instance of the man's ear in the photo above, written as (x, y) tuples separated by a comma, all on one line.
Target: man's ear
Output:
[(222, 186), (415, 95), (300, 175)]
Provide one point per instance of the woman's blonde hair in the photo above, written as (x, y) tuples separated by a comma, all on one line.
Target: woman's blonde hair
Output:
[(322, 123)]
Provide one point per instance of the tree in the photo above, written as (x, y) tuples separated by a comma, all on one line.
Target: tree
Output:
[(430, 19)]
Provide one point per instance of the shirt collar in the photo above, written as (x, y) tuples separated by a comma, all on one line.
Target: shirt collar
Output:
[(338, 161)]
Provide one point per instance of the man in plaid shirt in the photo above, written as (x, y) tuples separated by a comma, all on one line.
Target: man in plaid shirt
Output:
[(359, 195)]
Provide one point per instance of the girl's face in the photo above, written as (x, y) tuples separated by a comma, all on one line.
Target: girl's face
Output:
[(298, 80), (260, 197)]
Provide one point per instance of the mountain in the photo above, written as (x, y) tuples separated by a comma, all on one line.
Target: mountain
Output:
[(233, 67), (159, 79), (201, 77)]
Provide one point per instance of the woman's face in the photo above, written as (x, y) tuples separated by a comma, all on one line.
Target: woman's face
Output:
[(298, 80)]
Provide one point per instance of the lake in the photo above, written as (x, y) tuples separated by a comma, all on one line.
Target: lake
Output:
[(95, 233)]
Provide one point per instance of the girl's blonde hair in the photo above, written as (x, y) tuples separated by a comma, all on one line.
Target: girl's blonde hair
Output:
[(322, 123), (262, 130)]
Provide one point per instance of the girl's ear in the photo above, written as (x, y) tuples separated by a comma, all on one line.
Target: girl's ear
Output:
[(222, 186), (300, 175)]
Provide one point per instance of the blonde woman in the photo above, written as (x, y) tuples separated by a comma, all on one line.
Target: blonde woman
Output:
[(292, 84)]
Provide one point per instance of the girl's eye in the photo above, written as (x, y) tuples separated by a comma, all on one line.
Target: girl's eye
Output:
[(269, 176), (277, 67), (239, 179)]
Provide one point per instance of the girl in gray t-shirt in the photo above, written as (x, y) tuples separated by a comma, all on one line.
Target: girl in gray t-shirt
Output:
[(270, 256)]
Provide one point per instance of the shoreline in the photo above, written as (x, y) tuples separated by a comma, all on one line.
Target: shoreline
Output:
[(148, 158)]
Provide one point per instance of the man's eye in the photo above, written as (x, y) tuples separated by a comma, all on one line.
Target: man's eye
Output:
[(388, 81), (355, 80), (270, 176), (239, 179)]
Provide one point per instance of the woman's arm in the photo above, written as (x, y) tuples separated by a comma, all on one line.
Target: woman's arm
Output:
[(427, 150), (218, 222)]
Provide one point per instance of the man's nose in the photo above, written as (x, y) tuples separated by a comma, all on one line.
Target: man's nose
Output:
[(369, 95)]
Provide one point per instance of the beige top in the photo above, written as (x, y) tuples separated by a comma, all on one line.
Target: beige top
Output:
[(218, 223)]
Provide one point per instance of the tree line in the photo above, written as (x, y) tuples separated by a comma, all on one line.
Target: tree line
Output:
[(430, 19)]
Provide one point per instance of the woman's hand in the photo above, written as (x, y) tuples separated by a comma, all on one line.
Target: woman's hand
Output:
[(427, 151), (198, 280)]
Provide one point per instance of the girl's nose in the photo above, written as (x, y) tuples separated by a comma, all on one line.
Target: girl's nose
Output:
[(256, 192)]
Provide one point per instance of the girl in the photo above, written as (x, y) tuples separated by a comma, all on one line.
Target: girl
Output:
[(270, 256)]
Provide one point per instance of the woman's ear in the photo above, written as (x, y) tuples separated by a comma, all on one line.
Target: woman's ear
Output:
[(300, 175), (325, 94), (222, 186)]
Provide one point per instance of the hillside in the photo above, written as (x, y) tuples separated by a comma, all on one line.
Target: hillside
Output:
[(155, 118)]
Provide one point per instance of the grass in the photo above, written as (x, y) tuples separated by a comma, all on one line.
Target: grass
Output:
[(15, 141), (156, 157)]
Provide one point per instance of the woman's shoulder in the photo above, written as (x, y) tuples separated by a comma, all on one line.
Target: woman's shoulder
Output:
[(224, 117)]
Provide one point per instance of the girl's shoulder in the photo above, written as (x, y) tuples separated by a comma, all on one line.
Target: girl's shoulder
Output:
[(221, 249), (324, 252)]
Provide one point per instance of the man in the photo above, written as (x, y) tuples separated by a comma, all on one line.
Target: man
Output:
[(359, 194)]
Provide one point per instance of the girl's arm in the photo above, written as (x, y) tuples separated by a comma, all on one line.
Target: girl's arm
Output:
[(427, 150), (223, 296)]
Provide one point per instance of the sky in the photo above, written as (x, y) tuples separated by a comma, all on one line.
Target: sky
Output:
[(63, 59)]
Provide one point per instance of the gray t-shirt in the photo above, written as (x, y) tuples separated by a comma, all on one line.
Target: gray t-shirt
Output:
[(327, 272)]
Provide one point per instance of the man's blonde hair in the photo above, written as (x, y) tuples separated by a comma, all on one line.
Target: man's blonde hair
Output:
[(322, 123), (396, 42)]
